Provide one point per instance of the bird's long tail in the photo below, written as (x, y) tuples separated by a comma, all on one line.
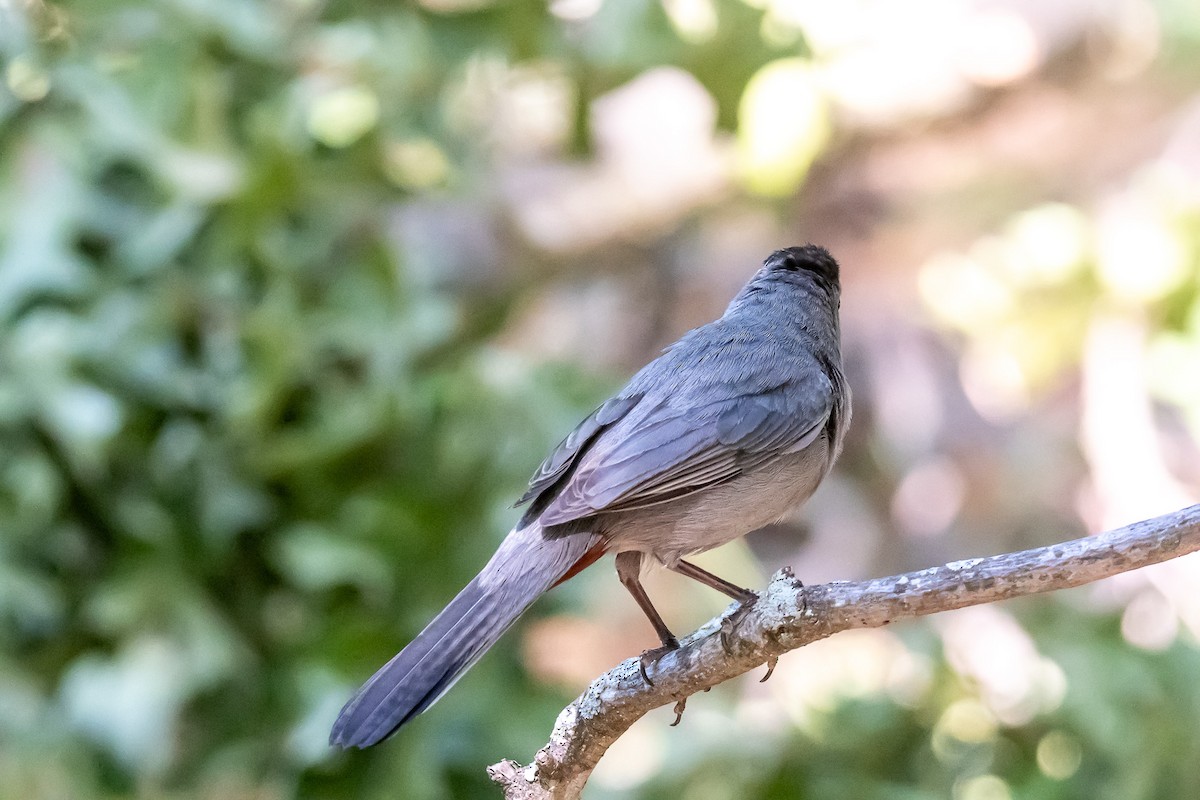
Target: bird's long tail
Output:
[(525, 566)]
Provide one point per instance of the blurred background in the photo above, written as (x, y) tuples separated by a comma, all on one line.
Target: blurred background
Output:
[(296, 294)]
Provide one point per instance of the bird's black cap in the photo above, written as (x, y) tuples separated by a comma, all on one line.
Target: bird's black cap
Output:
[(808, 258)]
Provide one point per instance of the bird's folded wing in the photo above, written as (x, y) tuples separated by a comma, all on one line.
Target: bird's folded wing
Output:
[(561, 459), (670, 450)]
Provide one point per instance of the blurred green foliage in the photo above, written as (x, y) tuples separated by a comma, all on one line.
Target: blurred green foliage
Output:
[(233, 476), (249, 448)]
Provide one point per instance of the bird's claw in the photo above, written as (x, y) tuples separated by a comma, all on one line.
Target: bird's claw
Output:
[(730, 622), (680, 705), (771, 662), (651, 657)]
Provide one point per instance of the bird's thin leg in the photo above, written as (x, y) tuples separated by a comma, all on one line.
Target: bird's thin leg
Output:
[(746, 597), (714, 581), (629, 567)]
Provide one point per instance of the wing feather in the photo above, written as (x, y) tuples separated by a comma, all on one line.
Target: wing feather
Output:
[(670, 451), (561, 459)]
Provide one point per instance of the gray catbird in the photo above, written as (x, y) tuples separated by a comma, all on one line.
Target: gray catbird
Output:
[(728, 429)]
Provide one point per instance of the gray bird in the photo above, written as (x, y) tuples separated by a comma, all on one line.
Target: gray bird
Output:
[(725, 432)]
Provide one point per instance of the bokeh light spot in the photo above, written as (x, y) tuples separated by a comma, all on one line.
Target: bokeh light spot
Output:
[(783, 124), (929, 497), (994, 380), (962, 292), (1149, 621), (694, 20), (575, 10), (632, 759), (342, 117), (968, 721), (1140, 257), (26, 80), (982, 787), (416, 164), (1059, 755), (1050, 242), (997, 47)]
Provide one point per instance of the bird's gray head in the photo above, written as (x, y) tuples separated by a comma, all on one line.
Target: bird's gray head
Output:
[(791, 273), (808, 258)]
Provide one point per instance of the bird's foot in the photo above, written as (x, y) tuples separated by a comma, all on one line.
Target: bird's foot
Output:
[(651, 657), (680, 705), (731, 621)]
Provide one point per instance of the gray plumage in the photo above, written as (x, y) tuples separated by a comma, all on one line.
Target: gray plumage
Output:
[(730, 428)]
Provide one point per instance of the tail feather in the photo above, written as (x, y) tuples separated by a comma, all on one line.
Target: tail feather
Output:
[(525, 566)]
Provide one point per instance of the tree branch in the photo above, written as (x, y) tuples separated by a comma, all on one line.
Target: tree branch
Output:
[(789, 615)]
